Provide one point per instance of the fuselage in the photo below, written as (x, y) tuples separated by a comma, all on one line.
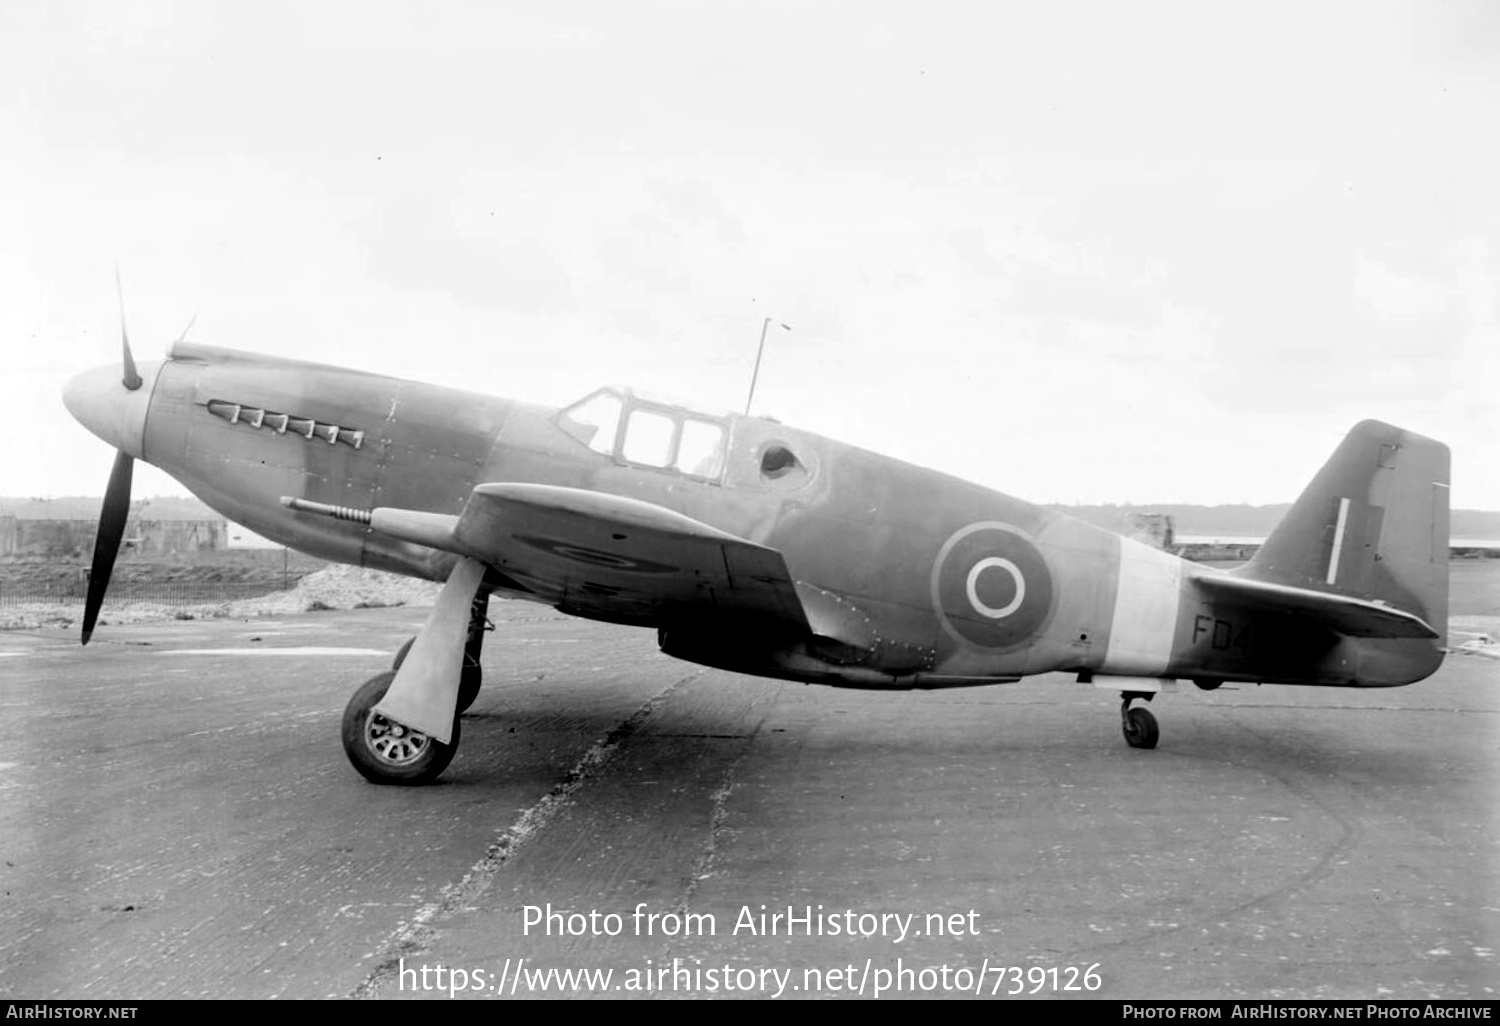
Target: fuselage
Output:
[(909, 576)]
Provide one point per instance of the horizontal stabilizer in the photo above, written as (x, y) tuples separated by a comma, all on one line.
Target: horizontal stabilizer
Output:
[(1359, 618)]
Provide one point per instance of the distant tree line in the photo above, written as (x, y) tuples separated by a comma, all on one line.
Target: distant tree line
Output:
[(1251, 521)]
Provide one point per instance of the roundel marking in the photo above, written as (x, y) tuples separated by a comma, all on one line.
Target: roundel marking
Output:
[(595, 557), (991, 586), (979, 604)]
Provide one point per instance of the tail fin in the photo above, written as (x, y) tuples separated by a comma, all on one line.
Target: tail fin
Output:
[(1372, 524)]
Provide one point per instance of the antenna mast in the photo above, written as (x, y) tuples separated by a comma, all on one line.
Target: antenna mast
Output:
[(759, 352)]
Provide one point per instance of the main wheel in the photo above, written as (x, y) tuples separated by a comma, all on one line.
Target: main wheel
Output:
[(1140, 728), (469, 681), (384, 751), (401, 652)]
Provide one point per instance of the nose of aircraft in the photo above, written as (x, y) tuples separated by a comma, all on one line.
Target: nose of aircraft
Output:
[(99, 400)]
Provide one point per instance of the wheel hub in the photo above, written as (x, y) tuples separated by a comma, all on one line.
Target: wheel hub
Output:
[(391, 742)]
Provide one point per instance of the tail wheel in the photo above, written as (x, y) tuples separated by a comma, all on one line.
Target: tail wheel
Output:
[(1140, 728), (384, 751)]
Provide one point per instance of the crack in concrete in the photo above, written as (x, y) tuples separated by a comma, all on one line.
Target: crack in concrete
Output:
[(1352, 833), (417, 934), (703, 865)]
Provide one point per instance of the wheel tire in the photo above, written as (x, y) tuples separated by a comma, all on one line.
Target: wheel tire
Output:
[(469, 683), (1140, 728), (401, 652), (385, 752)]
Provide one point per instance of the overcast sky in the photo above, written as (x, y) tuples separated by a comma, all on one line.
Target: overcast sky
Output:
[(1098, 252)]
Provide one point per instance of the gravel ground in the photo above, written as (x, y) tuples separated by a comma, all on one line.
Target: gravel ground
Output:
[(336, 587)]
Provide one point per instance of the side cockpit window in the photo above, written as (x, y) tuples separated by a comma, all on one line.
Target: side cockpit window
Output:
[(648, 434), (648, 438), (701, 450), (595, 421)]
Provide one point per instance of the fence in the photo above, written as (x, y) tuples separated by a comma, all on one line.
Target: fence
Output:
[(165, 593)]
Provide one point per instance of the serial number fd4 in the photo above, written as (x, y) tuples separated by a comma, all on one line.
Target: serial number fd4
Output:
[(1222, 635)]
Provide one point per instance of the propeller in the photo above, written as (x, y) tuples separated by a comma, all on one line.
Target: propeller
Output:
[(112, 516), (132, 378), (116, 508)]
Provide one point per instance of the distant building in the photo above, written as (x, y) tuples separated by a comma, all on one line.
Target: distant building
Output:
[(1154, 529), (65, 528)]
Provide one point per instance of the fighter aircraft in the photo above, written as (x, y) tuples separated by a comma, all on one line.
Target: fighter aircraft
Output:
[(754, 547)]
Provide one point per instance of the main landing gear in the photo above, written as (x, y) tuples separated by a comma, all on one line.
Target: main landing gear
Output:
[(1138, 723), (402, 726), (472, 678)]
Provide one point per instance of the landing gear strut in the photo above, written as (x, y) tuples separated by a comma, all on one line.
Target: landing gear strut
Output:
[(1138, 723), (472, 678)]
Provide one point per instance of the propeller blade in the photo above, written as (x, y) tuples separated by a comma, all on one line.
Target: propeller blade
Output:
[(112, 516), (132, 378)]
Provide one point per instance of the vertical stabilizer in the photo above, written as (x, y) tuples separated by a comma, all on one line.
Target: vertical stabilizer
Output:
[(1373, 523)]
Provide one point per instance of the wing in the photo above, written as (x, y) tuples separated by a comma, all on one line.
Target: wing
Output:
[(610, 557), (1360, 618)]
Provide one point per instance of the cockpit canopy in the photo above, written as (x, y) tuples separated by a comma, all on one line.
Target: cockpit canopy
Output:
[(627, 427)]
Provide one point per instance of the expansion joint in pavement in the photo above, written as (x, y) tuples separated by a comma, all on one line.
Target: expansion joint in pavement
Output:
[(417, 934)]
